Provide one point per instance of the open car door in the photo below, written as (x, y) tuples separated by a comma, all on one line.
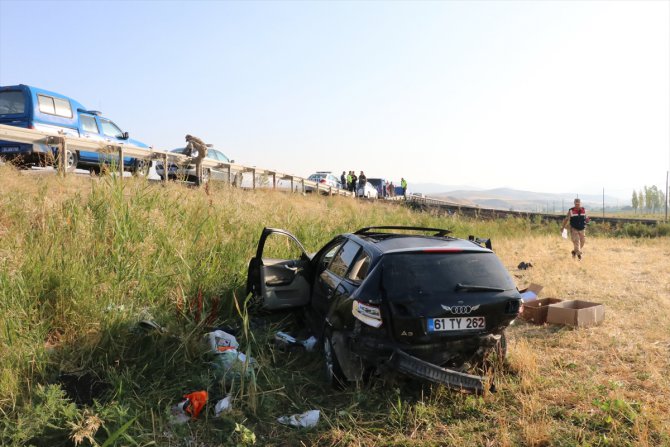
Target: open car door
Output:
[(278, 281)]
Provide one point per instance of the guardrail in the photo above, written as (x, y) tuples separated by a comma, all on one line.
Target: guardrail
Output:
[(62, 143), (297, 184)]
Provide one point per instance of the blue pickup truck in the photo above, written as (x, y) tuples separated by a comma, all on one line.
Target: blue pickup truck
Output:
[(35, 108)]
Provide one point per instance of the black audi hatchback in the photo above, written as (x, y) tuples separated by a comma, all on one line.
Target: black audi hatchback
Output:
[(410, 299)]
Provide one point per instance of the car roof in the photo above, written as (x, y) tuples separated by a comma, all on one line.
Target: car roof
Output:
[(181, 150), (383, 243)]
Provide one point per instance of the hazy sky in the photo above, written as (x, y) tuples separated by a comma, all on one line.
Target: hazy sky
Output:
[(547, 96)]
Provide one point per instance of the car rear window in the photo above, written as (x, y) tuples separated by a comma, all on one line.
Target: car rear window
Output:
[(437, 274), (12, 103)]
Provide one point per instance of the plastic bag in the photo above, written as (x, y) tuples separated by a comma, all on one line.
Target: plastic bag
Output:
[(307, 419), (564, 233), (220, 341)]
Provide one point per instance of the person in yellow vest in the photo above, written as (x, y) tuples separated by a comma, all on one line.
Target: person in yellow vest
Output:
[(403, 185)]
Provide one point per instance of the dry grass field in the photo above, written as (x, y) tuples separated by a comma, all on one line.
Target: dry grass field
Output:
[(81, 261), (617, 371)]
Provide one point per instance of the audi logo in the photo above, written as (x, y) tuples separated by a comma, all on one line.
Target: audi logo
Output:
[(462, 310)]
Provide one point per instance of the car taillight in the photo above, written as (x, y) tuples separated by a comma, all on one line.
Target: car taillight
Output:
[(513, 307), (368, 314)]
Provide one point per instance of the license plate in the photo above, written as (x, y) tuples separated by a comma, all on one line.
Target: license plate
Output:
[(9, 149), (456, 324)]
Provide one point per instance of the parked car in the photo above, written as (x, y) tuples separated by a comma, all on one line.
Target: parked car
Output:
[(368, 191), (187, 172), (425, 305), (380, 186), (35, 108), (325, 178)]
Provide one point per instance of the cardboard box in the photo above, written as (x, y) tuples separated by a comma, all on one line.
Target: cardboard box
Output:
[(576, 313), (536, 311), (531, 292)]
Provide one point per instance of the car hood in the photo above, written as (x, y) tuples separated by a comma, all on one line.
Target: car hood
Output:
[(136, 143)]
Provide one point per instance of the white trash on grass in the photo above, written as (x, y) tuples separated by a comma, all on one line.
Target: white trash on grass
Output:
[(220, 341), (228, 361), (306, 420), (286, 340), (223, 405)]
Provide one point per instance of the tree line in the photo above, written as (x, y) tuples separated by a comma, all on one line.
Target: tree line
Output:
[(650, 199)]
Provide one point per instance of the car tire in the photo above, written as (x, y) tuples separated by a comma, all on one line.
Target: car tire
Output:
[(334, 374), (71, 160), (141, 167)]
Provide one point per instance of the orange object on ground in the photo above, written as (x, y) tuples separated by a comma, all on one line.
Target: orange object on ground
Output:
[(196, 402), (224, 348)]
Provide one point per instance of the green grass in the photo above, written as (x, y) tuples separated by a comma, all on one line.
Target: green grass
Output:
[(83, 261)]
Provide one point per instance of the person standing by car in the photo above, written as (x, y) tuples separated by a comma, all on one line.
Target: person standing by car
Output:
[(354, 182), (343, 180), (577, 219), (362, 180), (403, 185)]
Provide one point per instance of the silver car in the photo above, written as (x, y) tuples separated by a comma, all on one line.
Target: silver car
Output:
[(326, 179), (187, 172)]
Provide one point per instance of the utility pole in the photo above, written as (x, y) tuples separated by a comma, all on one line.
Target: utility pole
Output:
[(667, 190)]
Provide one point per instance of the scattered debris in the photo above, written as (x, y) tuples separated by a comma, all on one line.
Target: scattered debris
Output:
[(531, 292), (190, 407), (177, 414), (287, 341), (535, 311), (228, 361), (223, 405), (576, 313), (524, 265), (309, 343), (150, 326), (221, 341), (306, 420)]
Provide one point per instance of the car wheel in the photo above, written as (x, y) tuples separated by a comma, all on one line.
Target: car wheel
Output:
[(141, 167), (71, 160), (334, 374)]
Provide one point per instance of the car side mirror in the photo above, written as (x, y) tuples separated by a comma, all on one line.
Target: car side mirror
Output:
[(232, 161), (125, 136)]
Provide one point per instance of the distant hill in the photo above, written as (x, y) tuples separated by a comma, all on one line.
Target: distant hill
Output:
[(512, 199)]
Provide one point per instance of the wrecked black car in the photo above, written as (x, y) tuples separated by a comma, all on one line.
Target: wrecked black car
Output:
[(410, 299)]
